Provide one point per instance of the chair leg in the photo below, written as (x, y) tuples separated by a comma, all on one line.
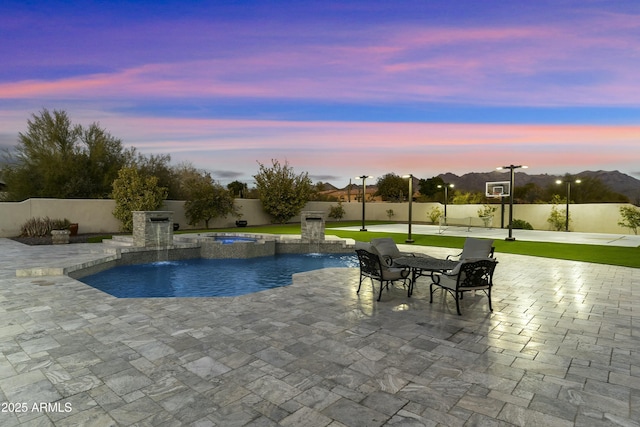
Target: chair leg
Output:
[(360, 285), (489, 296), (382, 287), (456, 294)]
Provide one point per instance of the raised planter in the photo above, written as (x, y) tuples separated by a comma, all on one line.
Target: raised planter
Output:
[(60, 237)]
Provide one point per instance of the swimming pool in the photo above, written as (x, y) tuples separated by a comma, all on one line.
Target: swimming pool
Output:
[(210, 277)]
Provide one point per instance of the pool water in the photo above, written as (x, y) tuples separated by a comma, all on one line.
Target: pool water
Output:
[(210, 277), (226, 240)]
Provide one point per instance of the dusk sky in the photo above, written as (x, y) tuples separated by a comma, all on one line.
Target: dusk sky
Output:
[(336, 88)]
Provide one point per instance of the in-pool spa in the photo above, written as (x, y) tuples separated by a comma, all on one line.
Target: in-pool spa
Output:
[(211, 277), (226, 240)]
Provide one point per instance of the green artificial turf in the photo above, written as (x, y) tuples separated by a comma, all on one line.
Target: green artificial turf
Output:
[(611, 255)]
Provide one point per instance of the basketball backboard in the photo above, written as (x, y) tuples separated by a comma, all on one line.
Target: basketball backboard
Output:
[(498, 189)]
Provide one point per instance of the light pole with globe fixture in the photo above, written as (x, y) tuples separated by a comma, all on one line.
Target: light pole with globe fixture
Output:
[(364, 194), (409, 239), (568, 182), (446, 198)]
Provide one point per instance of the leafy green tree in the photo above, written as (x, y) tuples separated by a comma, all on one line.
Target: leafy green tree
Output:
[(392, 188), (158, 165), (530, 193), (237, 188), (184, 174), (283, 193), (593, 190), (630, 218), (429, 187), (207, 200), (134, 192), (55, 158)]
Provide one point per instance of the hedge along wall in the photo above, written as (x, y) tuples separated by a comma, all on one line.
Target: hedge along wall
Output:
[(95, 216)]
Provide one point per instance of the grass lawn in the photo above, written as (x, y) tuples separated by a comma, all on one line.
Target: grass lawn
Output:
[(612, 255)]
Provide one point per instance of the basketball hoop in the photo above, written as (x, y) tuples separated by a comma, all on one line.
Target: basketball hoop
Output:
[(497, 189)]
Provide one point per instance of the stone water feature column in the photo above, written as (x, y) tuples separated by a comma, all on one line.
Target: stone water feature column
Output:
[(312, 226), (152, 228)]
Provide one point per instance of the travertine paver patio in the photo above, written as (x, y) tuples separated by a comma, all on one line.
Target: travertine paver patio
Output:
[(561, 348)]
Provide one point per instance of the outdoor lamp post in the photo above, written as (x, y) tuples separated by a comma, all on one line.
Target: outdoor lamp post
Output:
[(446, 198), (364, 194), (511, 168), (568, 182), (409, 239)]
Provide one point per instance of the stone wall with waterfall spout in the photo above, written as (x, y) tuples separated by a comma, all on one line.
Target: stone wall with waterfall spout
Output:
[(152, 228)]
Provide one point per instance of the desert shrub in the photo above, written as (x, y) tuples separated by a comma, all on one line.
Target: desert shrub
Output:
[(630, 218), (435, 214), (557, 218), (41, 227), (521, 224), (486, 213), (336, 212), (390, 213)]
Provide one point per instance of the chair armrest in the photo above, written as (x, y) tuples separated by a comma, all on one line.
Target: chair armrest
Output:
[(454, 256)]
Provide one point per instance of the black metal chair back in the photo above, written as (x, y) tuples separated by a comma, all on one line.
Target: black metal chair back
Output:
[(472, 276), (370, 265), (476, 274)]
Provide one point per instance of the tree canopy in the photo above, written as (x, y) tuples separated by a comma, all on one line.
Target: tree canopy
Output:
[(392, 188), (429, 187), (283, 193), (206, 199), (134, 192), (55, 158)]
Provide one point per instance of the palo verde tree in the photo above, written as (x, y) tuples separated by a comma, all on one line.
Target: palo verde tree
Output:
[(207, 200), (134, 192), (55, 158), (283, 193)]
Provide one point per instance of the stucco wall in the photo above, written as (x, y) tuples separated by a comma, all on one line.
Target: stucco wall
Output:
[(95, 216)]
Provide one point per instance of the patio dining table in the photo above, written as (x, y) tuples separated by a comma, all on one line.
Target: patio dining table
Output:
[(423, 265)]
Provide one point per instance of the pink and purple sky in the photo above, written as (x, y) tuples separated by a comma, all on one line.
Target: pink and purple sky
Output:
[(336, 88)]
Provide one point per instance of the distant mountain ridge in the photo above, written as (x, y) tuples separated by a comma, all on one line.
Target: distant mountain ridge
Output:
[(475, 181)]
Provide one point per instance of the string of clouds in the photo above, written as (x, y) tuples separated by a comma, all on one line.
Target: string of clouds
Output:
[(337, 89)]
